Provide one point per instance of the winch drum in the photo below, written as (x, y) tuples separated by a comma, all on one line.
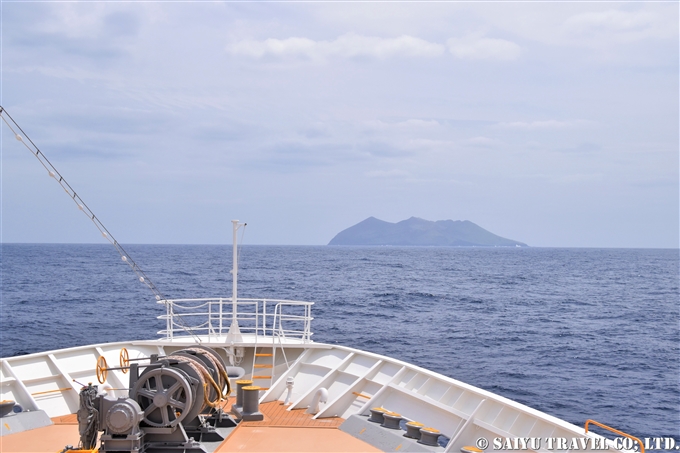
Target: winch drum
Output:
[(165, 395)]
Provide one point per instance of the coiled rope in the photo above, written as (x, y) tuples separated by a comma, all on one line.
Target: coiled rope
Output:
[(223, 376), (204, 376)]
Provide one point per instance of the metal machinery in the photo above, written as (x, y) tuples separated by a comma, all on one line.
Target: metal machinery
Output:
[(174, 403)]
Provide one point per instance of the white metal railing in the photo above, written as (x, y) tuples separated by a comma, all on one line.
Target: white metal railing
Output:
[(212, 317)]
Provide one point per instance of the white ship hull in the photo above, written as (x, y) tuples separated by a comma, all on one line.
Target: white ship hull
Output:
[(355, 380)]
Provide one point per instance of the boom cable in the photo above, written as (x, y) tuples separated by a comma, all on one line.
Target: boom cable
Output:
[(54, 173)]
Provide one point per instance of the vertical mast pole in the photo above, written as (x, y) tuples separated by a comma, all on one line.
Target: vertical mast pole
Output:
[(234, 270), (234, 334)]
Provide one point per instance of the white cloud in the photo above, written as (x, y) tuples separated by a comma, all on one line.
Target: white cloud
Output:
[(418, 123), (578, 178), (481, 141), (611, 20), (483, 48), (427, 144), (548, 124), (394, 173), (615, 26), (349, 45), (410, 124)]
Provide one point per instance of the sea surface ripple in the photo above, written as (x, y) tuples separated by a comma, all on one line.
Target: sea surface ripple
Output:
[(576, 333)]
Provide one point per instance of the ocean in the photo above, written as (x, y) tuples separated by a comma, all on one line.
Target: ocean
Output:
[(576, 333)]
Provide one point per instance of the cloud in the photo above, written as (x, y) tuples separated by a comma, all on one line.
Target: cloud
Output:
[(296, 155), (612, 20), (582, 148), (384, 148), (426, 144), (121, 24), (412, 124), (349, 45), (474, 48), (615, 26), (578, 178), (548, 124), (482, 142), (394, 173), (95, 33)]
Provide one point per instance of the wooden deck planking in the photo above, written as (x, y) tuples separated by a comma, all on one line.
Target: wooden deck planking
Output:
[(70, 419), (292, 439), (48, 439), (276, 414), (281, 430), (292, 431)]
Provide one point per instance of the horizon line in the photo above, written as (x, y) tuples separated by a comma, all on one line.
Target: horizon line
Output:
[(364, 246)]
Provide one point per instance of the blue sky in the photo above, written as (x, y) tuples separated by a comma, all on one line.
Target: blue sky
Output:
[(555, 124)]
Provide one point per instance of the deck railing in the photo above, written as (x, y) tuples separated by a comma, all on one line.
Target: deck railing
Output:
[(213, 317)]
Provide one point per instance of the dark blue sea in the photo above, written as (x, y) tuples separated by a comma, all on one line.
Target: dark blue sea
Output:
[(576, 333)]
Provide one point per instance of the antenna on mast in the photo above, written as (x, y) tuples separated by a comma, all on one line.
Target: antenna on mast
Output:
[(234, 335)]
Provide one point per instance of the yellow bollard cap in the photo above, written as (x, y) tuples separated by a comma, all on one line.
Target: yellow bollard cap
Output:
[(471, 449)]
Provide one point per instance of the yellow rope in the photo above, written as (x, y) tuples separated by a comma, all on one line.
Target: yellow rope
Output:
[(199, 367), (222, 372)]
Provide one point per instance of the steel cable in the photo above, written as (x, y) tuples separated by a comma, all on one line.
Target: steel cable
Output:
[(54, 173)]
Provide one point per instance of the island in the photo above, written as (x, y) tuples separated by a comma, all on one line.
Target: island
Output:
[(420, 232)]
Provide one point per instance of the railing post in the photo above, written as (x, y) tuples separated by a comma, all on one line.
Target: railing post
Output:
[(616, 431), (275, 317), (280, 326), (170, 318), (210, 319), (220, 316), (298, 324), (257, 317)]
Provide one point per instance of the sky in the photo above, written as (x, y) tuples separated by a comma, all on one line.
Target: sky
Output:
[(551, 123)]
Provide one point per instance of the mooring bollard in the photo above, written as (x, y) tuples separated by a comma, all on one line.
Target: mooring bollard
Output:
[(377, 414), (251, 404), (391, 420), (413, 430), (239, 391), (429, 436)]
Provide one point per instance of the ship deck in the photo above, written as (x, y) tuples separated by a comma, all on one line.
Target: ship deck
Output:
[(355, 382), (280, 431)]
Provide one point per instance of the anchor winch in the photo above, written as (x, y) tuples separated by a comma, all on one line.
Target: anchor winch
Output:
[(174, 403)]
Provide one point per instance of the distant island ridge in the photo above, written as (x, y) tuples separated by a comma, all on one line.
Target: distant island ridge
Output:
[(416, 231)]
